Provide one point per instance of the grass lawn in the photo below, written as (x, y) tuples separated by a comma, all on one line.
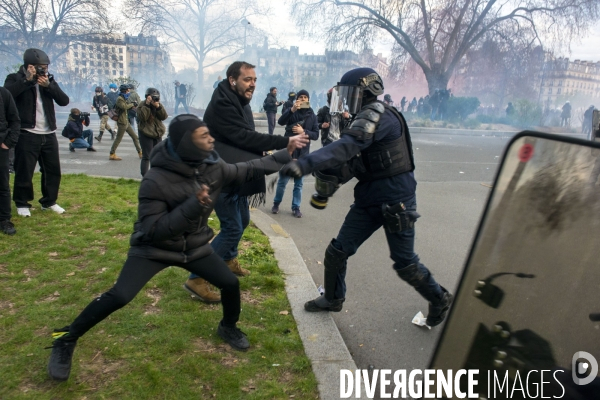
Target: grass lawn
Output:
[(162, 345)]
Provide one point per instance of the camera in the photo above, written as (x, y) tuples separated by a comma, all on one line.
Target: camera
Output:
[(40, 71), (84, 115), (135, 103), (155, 97)]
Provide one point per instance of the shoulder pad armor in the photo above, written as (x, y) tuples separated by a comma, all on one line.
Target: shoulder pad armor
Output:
[(365, 123), (377, 106)]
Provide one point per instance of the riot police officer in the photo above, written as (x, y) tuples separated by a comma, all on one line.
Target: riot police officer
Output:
[(376, 148)]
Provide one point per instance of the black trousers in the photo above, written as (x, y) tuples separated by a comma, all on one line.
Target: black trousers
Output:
[(147, 144), (31, 149), (271, 119), (138, 271), (4, 186)]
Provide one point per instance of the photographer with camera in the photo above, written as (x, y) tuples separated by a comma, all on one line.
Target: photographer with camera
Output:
[(151, 115), (34, 92), (123, 106), (324, 119), (100, 104), (298, 120), (78, 137), (376, 149)]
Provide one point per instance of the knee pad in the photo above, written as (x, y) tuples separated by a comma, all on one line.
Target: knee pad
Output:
[(413, 274)]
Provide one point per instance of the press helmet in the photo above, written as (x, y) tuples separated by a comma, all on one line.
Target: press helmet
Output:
[(151, 92), (35, 56)]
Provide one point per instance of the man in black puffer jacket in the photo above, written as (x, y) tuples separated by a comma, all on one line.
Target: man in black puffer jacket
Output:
[(176, 198), (299, 119)]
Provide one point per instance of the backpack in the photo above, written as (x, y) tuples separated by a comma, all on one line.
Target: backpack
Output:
[(113, 114), (64, 132)]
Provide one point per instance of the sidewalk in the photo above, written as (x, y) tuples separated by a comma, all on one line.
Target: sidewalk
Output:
[(320, 336)]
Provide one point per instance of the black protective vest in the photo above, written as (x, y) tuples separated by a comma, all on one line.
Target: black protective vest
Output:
[(383, 160)]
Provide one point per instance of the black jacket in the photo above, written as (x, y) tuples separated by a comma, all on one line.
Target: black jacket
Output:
[(182, 90), (308, 120), (270, 104), (232, 126), (100, 103), (25, 96), (172, 225), (10, 123), (74, 128), (323, 116)]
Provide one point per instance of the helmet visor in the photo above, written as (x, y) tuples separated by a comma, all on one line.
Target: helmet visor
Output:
[(346, 98)]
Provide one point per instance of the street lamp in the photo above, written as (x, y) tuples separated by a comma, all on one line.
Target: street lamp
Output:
[(245, 22)]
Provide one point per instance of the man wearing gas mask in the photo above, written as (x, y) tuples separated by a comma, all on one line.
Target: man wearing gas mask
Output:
[(35, 91), (376, 149)]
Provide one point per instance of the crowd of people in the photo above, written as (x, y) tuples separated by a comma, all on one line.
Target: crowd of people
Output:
[(434, 107), (219, 163)]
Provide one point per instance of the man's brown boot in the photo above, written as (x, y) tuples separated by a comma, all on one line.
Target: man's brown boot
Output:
[(200, 288), (114, 157), (236, 268)]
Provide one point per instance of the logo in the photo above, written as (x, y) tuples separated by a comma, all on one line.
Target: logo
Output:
[(582, 368)]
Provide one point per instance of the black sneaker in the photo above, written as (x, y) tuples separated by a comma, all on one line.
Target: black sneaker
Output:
[(437, 313), (296, 212), (235, 337), (59, 366), (275, 209), (91, 149), (71, 148), (7, 227)]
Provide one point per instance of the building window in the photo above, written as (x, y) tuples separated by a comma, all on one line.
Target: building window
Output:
[(76, 54), (120, 65), (106, 64), (121, 73), (114, 72), (120, 58)]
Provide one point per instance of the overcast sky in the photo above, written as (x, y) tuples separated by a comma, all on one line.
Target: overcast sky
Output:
[(284, 28)]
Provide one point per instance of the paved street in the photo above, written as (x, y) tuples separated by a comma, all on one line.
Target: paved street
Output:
[(376, 320)]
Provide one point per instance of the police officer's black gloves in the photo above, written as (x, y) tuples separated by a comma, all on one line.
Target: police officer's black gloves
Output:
[(292, 169)]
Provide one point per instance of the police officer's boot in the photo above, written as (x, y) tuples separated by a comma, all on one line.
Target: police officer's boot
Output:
[(334, 261), (99, 137), (419, 277)]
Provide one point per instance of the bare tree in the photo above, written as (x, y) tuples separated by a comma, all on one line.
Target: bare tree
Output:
[(437, 34), (210, 30), (49, 25)]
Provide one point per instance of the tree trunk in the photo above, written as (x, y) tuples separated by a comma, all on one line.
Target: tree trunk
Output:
[(436, 79), (201, 92)]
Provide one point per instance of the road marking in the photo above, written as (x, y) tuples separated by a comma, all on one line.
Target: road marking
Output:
[(77, 161), (279, 230)]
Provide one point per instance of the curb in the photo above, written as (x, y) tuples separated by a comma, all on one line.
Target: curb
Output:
[(320, 336)]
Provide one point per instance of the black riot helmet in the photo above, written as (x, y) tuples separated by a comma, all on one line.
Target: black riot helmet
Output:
[(35, 56), (348, 95)]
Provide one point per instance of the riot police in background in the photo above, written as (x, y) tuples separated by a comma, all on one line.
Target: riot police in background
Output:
[(384, 196), (387, 99), (565, 115)]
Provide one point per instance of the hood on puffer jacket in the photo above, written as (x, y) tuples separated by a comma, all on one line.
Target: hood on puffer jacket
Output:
[(163, 156)]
